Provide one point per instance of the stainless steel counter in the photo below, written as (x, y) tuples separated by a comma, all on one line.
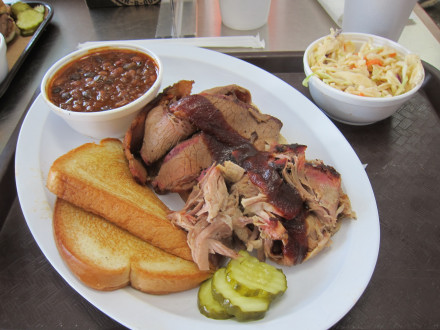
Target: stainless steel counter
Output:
[(291, 26)]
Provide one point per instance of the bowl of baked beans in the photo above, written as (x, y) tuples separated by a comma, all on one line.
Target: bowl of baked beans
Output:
[(98, 91)]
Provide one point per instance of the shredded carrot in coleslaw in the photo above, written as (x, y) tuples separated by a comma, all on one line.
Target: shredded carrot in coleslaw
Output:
[(374, 71)]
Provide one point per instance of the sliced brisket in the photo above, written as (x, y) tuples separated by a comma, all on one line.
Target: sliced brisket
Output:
[(238, 92), (184, 163), (162, 132), (215, 114), (134, 136)]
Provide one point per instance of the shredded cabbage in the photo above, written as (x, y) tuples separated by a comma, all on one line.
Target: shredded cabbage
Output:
[(374, 71)]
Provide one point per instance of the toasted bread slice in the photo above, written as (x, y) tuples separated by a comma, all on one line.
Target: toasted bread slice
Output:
[(106, 257), (96, 178)]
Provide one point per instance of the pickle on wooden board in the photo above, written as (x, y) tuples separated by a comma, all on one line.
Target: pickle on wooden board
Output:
[(208, 306), (250, 277), (242, 307)]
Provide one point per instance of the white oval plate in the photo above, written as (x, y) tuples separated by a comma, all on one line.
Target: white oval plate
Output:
[(321, 291)]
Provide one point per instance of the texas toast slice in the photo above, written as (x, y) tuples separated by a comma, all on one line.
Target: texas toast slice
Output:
[(96, 178), (106, 257)]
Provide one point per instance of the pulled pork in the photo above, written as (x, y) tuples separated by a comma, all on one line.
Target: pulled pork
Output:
[(228, 209)]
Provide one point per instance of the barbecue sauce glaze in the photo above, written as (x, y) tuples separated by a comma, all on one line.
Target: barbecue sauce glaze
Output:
[(260, 166)]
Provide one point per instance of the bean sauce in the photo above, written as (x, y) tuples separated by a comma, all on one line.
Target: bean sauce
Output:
[(103, 80)]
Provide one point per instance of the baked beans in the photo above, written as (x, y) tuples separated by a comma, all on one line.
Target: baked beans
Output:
[(102, 80)]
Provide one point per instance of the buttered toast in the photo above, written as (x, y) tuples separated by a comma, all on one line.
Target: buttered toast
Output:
[(96, 178), (106, 257)]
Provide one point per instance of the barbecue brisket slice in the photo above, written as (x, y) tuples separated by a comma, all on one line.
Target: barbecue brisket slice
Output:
[(184, 164), (209, 113), (212, 115), (163, 131), (238, 92), (157, 129), (134, 137)]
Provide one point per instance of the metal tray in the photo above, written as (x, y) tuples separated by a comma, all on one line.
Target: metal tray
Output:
[(27, 47)]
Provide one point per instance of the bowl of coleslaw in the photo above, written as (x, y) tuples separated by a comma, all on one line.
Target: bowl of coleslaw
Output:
[(359, 78)]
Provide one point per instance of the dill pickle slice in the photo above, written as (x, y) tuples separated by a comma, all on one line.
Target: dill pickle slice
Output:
[(28, 21), (18, 7), (40, 9), (253, 278), (208, 306), (242, 307)]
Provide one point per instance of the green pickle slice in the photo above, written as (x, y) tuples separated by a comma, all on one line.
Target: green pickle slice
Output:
[(28, 21), (253, 278), (40, 9), (245, 288), (208, 306), (19, 7), (242, 307)]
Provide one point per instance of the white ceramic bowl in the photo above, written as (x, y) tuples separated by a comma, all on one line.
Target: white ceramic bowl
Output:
[(107, 123), (353, 109), (3, 60)]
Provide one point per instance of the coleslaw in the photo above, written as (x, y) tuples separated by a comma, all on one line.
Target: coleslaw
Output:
[(372, 71)]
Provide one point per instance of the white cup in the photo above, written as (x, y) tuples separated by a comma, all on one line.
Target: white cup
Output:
[(244, 14), (3, 59), (385, 18)]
